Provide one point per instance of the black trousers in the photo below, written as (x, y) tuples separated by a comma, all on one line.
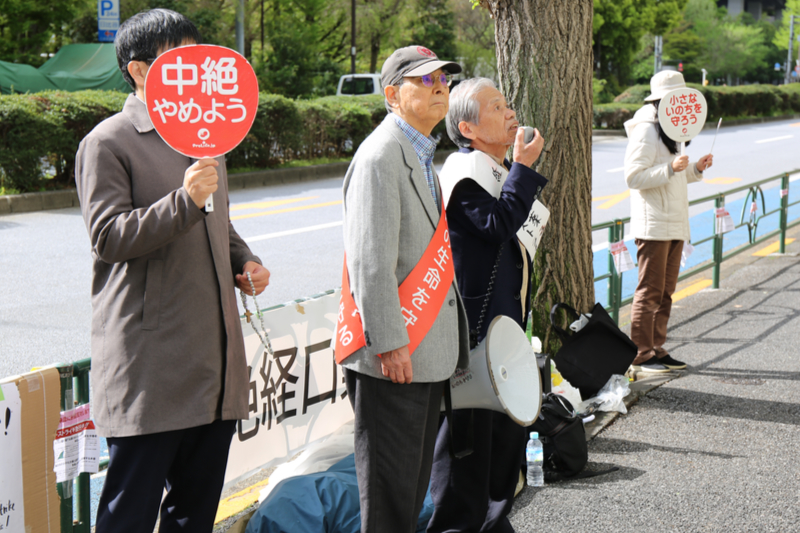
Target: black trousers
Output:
[(395, 433), (476, 493), (189, 463)]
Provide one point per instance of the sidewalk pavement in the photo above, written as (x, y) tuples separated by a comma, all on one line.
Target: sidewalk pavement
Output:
[(714, 448)]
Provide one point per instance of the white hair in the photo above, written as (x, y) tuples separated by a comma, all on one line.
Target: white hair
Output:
[(464, 107)]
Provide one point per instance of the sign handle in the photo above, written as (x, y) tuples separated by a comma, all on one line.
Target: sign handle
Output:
[(210, 203), (683, 146)]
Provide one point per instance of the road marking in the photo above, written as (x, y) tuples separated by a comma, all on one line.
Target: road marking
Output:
[(287, 210), (272, 203), (691, 289), (620, 169), (292, 232), (775, 139), (795, 177), (612, 199), (722, 181), (795, 125), (771, 249), (240, 501)]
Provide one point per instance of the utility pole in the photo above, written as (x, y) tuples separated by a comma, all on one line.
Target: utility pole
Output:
[(353, 40), (791, 45), (659, 45), (240, 27)]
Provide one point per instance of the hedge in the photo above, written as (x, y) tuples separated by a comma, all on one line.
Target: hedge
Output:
[(40, 133), (733, 102)]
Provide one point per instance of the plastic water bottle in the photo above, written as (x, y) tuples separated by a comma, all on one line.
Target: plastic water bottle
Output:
[(534, 454)]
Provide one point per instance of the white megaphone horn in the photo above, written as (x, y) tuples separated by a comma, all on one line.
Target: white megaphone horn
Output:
[(502, 375)]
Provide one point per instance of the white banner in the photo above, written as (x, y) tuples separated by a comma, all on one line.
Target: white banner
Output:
[(12, 507), (296, 397)]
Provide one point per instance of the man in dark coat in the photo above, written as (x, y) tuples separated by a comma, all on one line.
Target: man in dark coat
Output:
[(488, 200)]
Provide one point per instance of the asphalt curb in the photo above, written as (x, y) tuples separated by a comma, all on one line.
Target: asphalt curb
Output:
[(41, 201), (708, 125)]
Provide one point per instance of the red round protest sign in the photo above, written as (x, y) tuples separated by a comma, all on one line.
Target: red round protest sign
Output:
[(202, 99), (682, 114)]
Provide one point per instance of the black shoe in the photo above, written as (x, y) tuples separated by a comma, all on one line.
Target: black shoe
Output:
[(652, 366), (671, 363)]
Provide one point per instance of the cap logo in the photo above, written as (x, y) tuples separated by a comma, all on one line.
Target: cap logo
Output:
[(425, 52)]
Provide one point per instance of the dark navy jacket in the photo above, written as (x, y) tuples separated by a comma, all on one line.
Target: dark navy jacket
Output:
[(478, 224)]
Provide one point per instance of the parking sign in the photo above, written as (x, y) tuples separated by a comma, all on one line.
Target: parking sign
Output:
[(107, 20)]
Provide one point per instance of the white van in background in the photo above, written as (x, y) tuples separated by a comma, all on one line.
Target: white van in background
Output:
[(359, 84)]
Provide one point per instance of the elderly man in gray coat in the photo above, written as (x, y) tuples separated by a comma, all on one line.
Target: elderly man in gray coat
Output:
[(395, 379), (169, 374)]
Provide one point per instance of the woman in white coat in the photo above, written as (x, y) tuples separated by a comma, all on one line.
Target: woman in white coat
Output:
[(657, 176)]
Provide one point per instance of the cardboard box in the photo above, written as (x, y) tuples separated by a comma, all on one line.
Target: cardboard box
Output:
[(29, 416)]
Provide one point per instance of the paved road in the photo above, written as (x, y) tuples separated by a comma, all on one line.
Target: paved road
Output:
[(295, 229)]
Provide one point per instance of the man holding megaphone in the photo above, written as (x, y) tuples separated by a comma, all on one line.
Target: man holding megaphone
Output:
[(488, 200)]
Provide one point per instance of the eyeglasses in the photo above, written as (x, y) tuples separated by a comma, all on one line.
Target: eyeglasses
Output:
[(428, 80)]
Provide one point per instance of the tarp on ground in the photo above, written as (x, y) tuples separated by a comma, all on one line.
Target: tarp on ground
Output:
[(325, 502), (75, 67)]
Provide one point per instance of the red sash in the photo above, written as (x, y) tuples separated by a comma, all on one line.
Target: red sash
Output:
[(422, 295)]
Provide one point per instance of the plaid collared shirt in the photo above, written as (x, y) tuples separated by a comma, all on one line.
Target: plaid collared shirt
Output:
[(425, 148)]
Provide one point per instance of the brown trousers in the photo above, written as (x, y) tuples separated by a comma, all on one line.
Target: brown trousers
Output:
[(659, 263)]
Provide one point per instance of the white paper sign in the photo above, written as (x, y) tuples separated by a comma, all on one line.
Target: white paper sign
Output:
[(76, 447), (688, 249), (12, 510), (682, 114), (530, 234), (784, 192), (296, 397), (724, 221), (622, 257)]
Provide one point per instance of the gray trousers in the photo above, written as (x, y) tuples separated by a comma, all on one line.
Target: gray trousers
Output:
[(395, 435)]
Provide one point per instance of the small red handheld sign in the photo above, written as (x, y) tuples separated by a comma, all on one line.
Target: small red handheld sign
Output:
[(202, 99)]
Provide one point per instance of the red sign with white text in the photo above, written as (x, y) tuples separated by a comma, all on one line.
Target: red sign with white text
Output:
[(202, 99)]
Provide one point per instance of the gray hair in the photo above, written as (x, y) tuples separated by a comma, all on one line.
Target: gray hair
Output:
[(386, 102), (465, 108)]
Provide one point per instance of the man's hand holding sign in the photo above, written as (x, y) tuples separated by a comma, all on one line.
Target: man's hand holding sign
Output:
[(202, 100)]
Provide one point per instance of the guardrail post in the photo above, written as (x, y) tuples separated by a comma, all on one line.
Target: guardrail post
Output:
[(784, 211), (82, 484), (620, 235), (65, 488), (717, 251), (612, 271)]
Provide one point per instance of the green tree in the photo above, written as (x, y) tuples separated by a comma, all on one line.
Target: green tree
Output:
[(617, 28), (781, 37), (30, 28), (475, 44), (432, 26)]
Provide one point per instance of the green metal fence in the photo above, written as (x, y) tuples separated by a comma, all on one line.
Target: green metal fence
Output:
[(616, 233), (75, 377)]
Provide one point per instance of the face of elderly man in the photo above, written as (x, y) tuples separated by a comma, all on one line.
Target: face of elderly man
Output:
[(421, 107), (497, 124)]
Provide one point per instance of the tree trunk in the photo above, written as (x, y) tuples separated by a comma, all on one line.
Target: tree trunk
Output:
[(544, 60)]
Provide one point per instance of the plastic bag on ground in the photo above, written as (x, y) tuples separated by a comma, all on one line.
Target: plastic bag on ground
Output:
[(609, 398)]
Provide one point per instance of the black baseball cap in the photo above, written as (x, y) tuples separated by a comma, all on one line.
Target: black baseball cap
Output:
[(413, 61)]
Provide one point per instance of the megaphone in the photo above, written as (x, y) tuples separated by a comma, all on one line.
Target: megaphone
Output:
[(502, 375)]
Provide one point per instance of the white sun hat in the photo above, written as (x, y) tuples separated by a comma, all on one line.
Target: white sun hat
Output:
[(664, 82)]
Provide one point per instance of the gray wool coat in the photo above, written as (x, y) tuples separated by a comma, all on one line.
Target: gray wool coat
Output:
[(167, 347), (389, 219)]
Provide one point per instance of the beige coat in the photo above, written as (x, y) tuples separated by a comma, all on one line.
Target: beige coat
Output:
[(659, 197), (167, 347)]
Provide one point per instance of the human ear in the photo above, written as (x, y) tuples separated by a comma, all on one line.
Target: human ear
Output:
[(465, 128), (392, 94), (138, 71)]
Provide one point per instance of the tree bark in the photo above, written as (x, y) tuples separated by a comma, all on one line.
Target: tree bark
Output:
[(544, 60)]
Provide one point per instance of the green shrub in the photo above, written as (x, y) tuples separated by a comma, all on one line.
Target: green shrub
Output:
[(612, 116)]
